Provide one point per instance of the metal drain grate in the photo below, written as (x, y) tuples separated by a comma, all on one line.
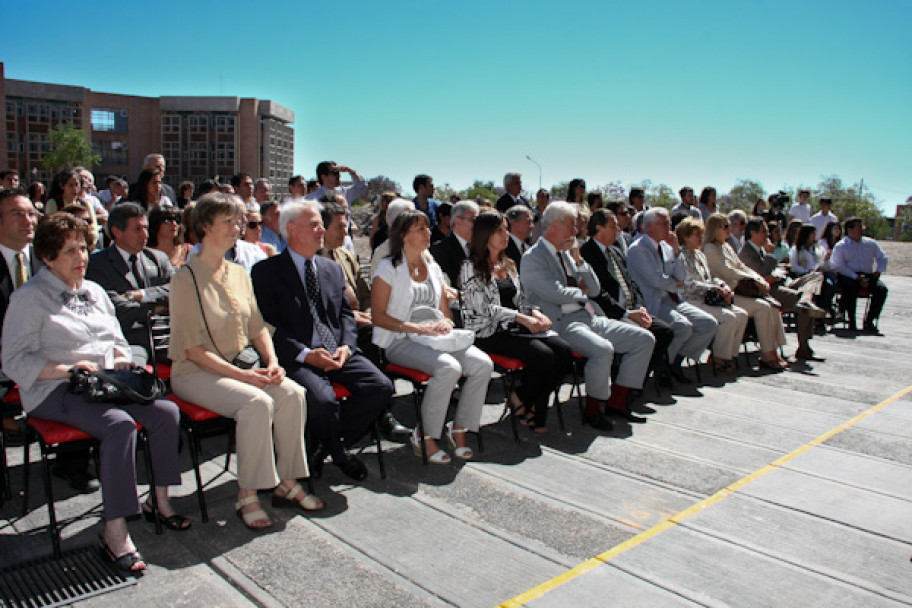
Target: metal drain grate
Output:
[(46, 582)]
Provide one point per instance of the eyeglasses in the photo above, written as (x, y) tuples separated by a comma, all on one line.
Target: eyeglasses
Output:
[(172, 220), (726, 225), (254, 225), (335, 172)]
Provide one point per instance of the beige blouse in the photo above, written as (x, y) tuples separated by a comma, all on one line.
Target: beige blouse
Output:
[(725, 264), (232, 313)]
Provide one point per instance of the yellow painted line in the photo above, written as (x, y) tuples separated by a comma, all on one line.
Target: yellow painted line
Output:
[(677, 518)]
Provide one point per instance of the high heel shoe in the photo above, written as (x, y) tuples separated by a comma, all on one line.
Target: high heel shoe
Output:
[(462, 453), (438, 457)]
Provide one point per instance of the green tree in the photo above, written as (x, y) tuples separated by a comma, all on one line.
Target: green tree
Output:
[(614, 191), (559, 190), (853, 201), (444, 192), (744, 194), (480, 189), (69, 148)]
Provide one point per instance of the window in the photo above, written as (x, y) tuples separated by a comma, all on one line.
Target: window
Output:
[(171, 123), (224, 154), (199, 154), (224, 124), (198, 123), (102, 120)]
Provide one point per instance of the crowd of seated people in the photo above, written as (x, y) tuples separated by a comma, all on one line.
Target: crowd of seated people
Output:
[(624, 289)]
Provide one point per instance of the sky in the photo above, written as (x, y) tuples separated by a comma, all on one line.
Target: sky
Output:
[(699, 92)]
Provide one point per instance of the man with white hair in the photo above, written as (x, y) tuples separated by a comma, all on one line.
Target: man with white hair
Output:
[(393, 210), (556, 279), (738, 220), (651, 260), (513, 185), (157, 161), (451, 251), (520, 221)]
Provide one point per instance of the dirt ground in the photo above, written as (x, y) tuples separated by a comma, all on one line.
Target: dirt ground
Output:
[(899, 254)]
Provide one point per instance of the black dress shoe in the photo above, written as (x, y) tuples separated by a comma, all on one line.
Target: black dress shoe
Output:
[(80, 481), (870, 328), (599, 422), (678, 375), (628, 416), (352, 467), (389, 426)]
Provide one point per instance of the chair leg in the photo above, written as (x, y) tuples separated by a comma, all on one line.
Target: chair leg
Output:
[(143, 437), (53, 528), (560, 410), (375, 431), (26, 457), (194, 457), (697, 370), (509, 405), (6, 493), (579, 394), (419, 423)]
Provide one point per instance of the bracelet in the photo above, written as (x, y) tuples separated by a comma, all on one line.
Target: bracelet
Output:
[(401, 324)]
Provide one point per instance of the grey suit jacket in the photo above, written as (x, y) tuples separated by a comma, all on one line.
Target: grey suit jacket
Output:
[(108, 268), (762, 264), (545, 285), (655, 277)]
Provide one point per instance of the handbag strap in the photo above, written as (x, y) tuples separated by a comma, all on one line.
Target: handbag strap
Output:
[(199, 300)]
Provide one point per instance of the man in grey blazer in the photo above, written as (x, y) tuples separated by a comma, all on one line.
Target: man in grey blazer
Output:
[(137, 279), (651, 260), (556, 279)]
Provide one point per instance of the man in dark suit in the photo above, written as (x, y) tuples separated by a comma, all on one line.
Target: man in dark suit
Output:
[(451, 251), (302, 295), (137, 279), (520, 221), (620, 297), (513, 185), (17, 231)]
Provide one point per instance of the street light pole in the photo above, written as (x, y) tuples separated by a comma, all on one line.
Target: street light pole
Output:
[(532, 160)]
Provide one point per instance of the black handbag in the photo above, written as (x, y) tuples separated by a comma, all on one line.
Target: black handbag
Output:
[(714, 297), (120, 387), (248, 358)]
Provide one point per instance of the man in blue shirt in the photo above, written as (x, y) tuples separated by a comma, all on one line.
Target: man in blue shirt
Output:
[(859, 260), (423, 185)]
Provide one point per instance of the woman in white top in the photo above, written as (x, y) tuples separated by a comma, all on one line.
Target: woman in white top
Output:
[(804, 255), (407, 279)]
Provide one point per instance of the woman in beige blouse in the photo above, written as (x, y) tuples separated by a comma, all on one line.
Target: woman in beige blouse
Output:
[(732, 320), (725, 264), (268, 408)]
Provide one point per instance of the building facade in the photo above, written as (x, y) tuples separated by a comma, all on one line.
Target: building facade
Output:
[(200, 137)]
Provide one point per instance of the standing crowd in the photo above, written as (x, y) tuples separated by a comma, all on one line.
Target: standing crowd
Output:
[(264, 312)]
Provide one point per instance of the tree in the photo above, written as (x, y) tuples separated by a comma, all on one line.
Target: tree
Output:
[(559, 190), (480, 189), (853, 201), (661, 195), (69, 148), (444, 192), (614, 191), (744, 194)]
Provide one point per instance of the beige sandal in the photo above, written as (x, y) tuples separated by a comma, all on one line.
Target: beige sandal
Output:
[(308, 502), (251, 517)]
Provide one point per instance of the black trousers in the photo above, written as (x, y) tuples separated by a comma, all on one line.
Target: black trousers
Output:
[(338, 426), (663, 334), (546, 360), (850, 287)]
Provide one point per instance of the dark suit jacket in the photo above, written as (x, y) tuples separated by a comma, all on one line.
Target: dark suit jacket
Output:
[(108, 268), (506, 201), (6, 281), (513, 252), (282, 298), (763, 263), (608, 299), (449, 254)]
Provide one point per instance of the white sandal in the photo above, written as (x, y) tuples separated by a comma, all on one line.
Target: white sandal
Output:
[(308, 502), (463, 453), (438, 457), (251, 517)]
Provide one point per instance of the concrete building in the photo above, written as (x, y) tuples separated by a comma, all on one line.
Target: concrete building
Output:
[(200, 137)]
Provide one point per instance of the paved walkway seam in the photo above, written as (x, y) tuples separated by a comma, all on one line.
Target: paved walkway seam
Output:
[(592, 563)]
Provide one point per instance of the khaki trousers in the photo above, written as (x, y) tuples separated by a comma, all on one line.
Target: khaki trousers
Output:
[(770, 332)]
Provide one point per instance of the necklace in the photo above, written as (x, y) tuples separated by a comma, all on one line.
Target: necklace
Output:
[(415, 269)]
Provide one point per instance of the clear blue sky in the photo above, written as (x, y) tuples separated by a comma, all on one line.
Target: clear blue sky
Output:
[(688, 92)]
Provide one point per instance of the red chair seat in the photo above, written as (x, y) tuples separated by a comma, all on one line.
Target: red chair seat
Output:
[(193, 411), (12, 396), (341, 391), (508, 363), (53, 432), (412, 374)]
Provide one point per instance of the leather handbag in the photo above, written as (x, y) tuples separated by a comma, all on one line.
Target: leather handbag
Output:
[(714, 297), (747, 288), (119, 387)]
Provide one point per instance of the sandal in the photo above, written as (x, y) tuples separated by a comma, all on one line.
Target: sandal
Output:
[(522, 414), (125, 563), (438, 457), (463, 453), (290, 499), (175, 522), (252, 517)]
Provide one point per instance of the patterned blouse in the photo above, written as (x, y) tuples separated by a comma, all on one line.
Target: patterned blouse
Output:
[(482, 311)]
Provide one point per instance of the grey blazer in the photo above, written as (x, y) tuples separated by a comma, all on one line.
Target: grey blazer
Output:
[(655, 277), (544, 284)]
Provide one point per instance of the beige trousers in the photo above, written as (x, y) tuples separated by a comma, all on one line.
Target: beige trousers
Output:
[(732, 322), (770, 332), (270, 424)]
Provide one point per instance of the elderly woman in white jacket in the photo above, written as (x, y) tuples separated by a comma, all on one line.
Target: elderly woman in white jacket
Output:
[(404, 281)]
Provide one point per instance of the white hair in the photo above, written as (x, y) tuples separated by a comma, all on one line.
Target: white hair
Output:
[(460, 208), (557, 211), (737, 213), (293, 210), (652, 214), (395, 208), (147, 161), (509, 178)]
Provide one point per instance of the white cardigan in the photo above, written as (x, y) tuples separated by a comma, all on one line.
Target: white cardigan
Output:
[(400, 300)]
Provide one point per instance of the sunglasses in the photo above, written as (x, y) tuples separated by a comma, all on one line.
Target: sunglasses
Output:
[(726, 225), (254, 225), (172, 220)]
